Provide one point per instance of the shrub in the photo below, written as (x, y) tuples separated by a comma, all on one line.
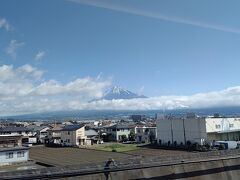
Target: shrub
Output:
[(207, 145), (175, 143), (114, 150), (221, 147)]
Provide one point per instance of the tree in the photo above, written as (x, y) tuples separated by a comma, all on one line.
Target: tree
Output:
[(124, 138), (152, 137), (132, 136)]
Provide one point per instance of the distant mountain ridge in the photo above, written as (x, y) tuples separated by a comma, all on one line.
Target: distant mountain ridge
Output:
[(117, 92)]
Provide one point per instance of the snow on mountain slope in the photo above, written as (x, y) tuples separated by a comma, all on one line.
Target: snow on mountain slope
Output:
[(120, 93)]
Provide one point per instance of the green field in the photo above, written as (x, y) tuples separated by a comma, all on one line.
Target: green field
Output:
[(116, 147)]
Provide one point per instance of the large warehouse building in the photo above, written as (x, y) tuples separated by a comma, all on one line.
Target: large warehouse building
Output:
[(223, 128), (181, 130)]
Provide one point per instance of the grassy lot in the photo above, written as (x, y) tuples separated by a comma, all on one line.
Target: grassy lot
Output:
[(116, 147)]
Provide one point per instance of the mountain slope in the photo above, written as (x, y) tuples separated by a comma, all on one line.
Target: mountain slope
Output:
[(120, 93)]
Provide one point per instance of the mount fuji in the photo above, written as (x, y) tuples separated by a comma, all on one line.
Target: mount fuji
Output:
[(120, 93)]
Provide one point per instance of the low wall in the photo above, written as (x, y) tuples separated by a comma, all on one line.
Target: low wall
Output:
[(209, 165)]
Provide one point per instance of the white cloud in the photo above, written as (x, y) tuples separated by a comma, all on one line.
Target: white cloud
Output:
[(156, 15), (40, 55), (223, 98), (13, 47), (29, 70), (5, 24), (22, 91)]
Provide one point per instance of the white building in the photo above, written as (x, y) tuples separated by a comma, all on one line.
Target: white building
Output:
[(13, 155), (117, 131), (221, 128), (181, 130), (12, 151)]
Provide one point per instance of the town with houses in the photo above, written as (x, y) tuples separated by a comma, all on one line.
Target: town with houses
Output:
[(189, 133)]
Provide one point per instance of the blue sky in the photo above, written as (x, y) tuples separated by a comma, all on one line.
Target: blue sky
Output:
[(168, 47), (164, 57)]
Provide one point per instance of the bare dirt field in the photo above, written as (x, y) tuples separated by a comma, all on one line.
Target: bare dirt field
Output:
[(76, 156), (72, 156)]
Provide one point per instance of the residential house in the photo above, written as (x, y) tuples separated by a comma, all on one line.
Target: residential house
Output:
[(92, 137), (73, 135), (11, 150), (54, 134), (117, 132), (145, 134), (39, 132), (12, 130)]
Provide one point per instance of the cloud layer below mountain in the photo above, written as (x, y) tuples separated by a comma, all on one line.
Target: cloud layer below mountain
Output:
[(23, 90)]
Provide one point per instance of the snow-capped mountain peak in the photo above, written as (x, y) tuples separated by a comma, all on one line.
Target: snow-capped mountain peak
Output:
[(117, 92)]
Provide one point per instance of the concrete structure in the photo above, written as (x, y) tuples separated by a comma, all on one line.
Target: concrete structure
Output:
[(171, 130), (73, 135), (145, 134), (221, 128), (11, 150)]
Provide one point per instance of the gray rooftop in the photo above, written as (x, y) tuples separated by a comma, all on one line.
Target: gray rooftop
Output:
[(14, 148), (72, 127), (14, 129)]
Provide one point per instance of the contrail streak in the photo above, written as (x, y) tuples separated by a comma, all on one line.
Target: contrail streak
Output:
[(139, 12)]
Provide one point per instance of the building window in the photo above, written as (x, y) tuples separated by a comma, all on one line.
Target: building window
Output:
[(68, 132), (20, 154), (231, 125), (9, 155), (68, 140), (218, 126)]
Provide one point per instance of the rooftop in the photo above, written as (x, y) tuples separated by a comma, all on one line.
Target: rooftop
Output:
[(72, 127), (14, 129), (14, 148), (122, 126)]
